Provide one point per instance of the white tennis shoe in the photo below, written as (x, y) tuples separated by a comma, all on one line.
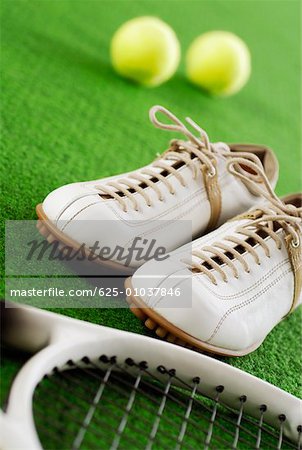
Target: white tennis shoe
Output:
[(243, 279), (188, 182)]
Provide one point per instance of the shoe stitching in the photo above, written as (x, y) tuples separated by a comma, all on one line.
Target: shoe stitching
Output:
[(247, 290), (86, 185), (247, 302), (263, 279), (200, 192), (164, 225), (77, 213), (128, 243), (175, 218), (154, 304), (71, 202)]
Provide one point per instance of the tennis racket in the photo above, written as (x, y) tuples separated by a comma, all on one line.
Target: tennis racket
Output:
[(93, 387)]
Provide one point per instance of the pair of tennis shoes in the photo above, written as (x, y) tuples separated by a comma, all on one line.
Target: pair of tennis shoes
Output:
[(241, 275)]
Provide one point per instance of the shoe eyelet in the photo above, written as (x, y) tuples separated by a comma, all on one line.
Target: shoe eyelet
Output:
[(295, 244), (212, 174)]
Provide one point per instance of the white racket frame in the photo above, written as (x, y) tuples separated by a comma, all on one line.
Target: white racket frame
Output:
[(66, 338)]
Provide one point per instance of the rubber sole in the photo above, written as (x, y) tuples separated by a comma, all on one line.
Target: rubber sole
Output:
[(166, 330), (52, 234)]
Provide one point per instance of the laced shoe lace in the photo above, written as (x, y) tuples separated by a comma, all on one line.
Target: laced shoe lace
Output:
[(181, 152), (262, 222)]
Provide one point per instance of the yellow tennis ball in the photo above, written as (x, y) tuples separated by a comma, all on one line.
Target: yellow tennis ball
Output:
[(219, 62), (145, 50)]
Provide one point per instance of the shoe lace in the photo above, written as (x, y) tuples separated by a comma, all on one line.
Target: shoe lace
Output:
[(262, 222), (180, 152)]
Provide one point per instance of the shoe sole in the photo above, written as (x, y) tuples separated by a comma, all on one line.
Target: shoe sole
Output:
[(166, 330), (51, 233)]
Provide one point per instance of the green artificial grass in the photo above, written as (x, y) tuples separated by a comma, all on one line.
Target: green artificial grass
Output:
[(68, 117)]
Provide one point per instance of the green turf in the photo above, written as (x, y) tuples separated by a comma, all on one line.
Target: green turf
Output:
[(68, 117)]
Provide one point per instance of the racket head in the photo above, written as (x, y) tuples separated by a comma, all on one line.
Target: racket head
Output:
[(70, 346)]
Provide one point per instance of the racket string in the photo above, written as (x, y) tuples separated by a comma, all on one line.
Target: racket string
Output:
[(282, 419), (124, 419), (243, 399), (182, 431), (189, 430), (87, 420), (219, 390), (159, 414), (73, 412), (263, 408), (162, 370), (67, 375), (120, 391), (250, 421)]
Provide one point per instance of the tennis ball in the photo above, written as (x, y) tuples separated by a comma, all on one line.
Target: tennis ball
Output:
[(219, 62), (145, 50)]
